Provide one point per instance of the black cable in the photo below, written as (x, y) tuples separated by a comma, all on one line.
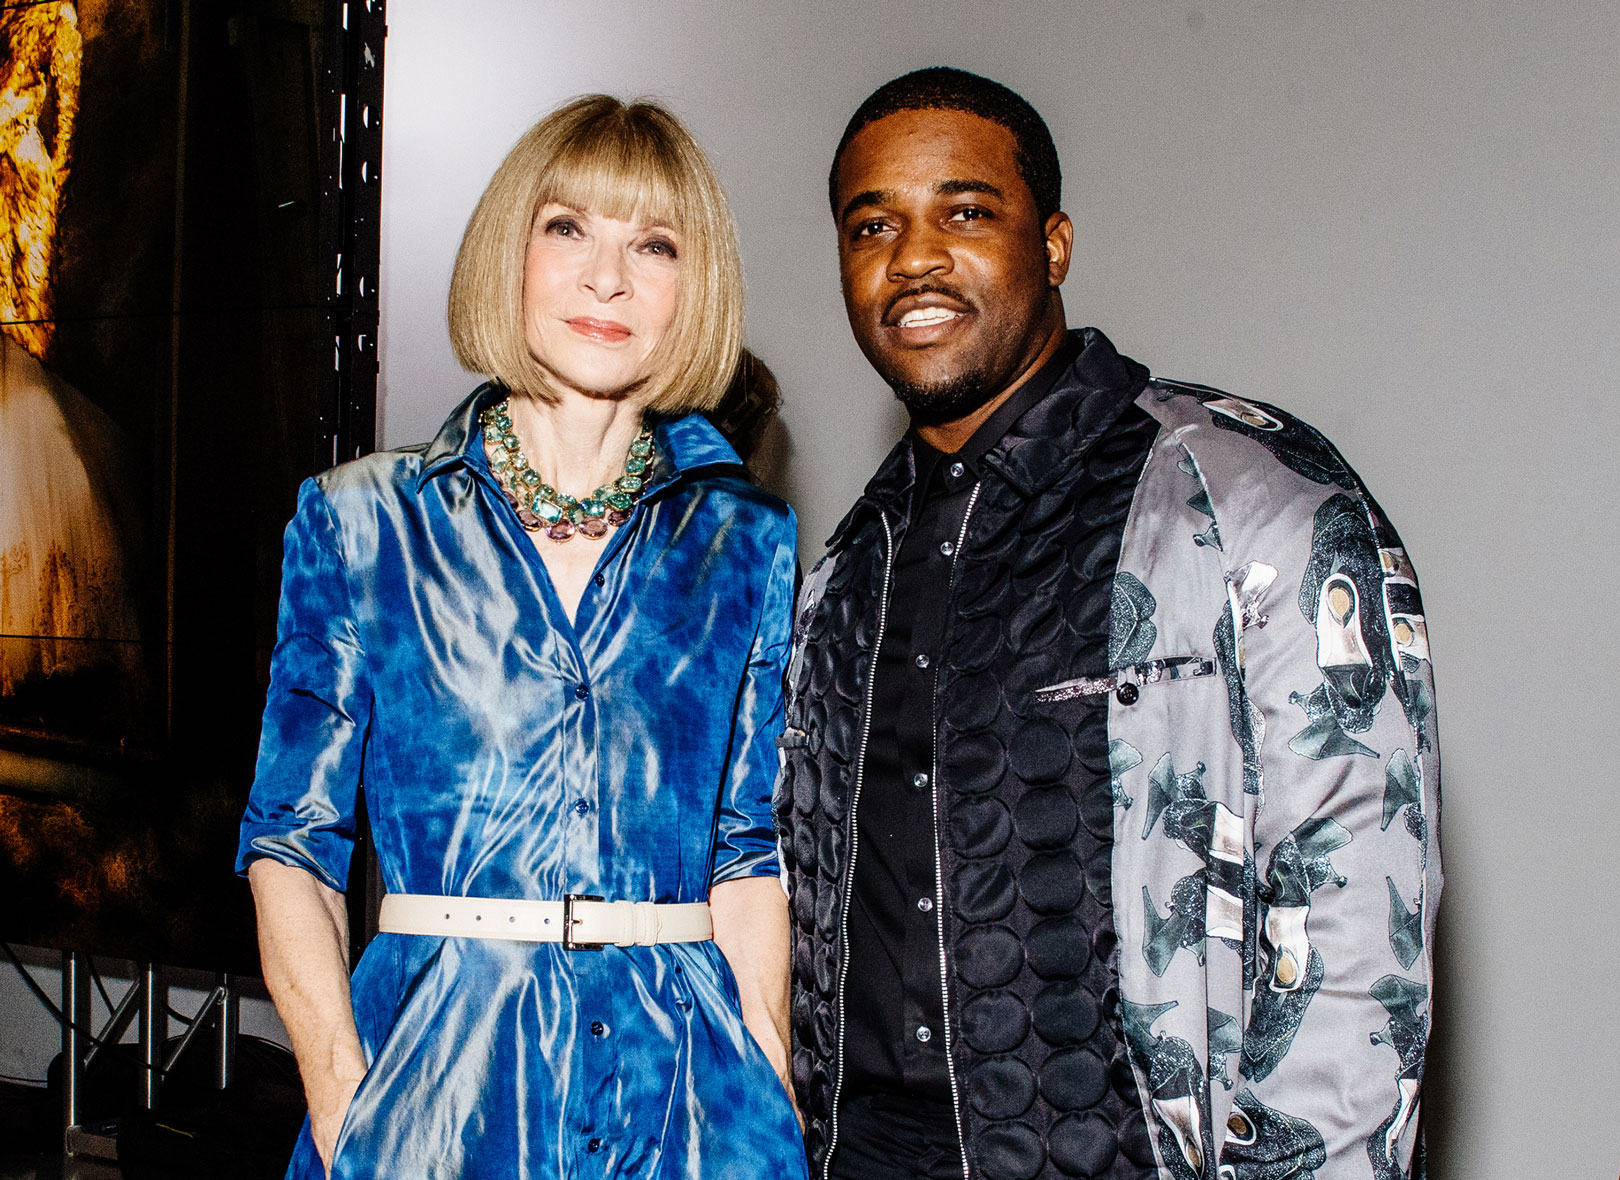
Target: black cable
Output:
[(185, 1020), (100, 987), (39, 994), (20, 1080)]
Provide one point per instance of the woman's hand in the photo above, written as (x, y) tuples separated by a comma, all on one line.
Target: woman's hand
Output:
[(325, 1125), (304, 949), (751, 929)]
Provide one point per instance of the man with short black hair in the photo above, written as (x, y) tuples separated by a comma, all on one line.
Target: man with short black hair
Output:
[(1110, 780)]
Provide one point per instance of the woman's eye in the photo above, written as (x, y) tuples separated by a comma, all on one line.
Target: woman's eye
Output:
[(563, 227), (661, 246)]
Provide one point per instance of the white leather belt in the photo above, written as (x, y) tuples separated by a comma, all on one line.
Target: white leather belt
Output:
[(578, 922)]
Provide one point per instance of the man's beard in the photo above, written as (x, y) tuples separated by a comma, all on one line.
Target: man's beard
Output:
[(943, 401)]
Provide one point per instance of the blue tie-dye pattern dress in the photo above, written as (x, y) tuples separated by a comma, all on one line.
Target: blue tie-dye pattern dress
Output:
[(424, 657)]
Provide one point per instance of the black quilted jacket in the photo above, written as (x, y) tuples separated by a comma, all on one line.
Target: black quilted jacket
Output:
[(1023, 809)]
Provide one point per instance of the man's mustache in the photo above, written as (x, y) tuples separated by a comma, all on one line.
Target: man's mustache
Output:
[(961, 301)]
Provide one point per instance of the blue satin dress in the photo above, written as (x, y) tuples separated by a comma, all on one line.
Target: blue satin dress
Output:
[(505, 751)]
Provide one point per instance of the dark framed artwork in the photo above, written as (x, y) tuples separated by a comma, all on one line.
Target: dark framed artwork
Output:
[(189, 194)]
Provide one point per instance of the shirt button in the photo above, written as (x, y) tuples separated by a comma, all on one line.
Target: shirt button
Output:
[(947, 548), (597, 1028), (1128, 694), (922, 659), (925, 904), (581, 807), (582, 691), (919, 780), (600, 579), (924, 1033), (594, 1145), (956, 470)]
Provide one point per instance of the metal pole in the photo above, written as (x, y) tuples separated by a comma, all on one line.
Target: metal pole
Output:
[(230, 1011), (75, 1027), (154, 1032)]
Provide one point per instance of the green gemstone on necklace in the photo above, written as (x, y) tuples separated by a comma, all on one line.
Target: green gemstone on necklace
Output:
[(559, 514)]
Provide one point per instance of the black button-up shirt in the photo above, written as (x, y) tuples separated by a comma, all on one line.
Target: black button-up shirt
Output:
[(893, 998)]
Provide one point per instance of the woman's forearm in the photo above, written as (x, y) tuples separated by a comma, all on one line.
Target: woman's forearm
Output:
[(751, 930), (304, 950)]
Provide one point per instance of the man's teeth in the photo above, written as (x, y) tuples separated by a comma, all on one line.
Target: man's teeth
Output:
[(926, 316)]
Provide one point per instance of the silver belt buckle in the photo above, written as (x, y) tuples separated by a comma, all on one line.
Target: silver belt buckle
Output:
[(569, 920)]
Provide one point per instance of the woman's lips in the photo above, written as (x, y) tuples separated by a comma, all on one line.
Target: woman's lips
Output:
[(608, 331)]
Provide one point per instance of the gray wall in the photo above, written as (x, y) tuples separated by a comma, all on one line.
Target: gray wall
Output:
[(1398, 219)]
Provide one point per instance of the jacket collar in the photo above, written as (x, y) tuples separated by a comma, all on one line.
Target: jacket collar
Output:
[(681, 446), (1046, 441)]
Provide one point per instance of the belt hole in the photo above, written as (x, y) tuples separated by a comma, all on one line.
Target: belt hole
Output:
[(478, 917), (447, 917), (511, 917)]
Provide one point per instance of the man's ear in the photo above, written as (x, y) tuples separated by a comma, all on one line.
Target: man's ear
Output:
[(1059, 247)]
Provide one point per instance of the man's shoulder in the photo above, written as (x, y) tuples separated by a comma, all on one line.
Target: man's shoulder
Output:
[(1268, 475), (1231, 436)]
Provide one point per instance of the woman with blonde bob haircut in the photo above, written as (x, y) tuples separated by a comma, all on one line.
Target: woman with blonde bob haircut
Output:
[(549, 646)]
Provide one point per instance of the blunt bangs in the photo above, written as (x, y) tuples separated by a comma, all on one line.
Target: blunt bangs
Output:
[(614, 171), (632, 162)]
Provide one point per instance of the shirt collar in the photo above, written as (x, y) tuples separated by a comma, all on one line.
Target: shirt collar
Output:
[(994, 428), (1053, 419), (681, 446)]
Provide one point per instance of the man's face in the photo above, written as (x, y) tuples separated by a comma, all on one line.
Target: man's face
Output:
[(950, 278)]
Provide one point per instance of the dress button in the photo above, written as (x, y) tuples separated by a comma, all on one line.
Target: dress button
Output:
[(925, 904), (597, 1028), (600, 579), (594, 1145), (947, 548), (1127, 694), (582, 691), (924, 1033), (956, 470), (922, 659), (919, 780), (581, 807)]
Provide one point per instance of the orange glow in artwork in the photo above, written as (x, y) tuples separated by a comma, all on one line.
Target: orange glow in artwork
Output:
[(39, 103)]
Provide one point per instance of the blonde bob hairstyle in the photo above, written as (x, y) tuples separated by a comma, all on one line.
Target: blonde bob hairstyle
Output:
[(628, 161)]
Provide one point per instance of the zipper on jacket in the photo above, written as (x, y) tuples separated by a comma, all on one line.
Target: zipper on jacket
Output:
[(939, 866), (854, 840)]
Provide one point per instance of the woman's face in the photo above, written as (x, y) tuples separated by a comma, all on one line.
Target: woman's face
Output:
[(598, 296)]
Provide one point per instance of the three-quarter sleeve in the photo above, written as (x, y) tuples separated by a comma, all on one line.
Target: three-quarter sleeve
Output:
[(745, 837), (317, 714)]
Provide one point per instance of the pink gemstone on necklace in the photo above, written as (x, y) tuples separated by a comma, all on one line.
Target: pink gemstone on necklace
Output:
[(616, 517), (594, 527), (528, 519), (560, 531)]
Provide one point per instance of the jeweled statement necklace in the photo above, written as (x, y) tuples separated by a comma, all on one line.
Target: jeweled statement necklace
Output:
[(541, 506)]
